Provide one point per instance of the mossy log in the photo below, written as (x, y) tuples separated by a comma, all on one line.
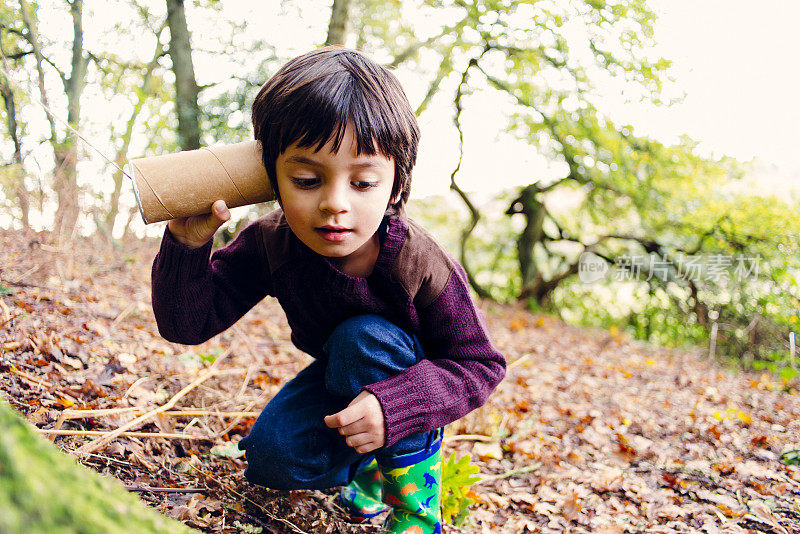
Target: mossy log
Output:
[(45, 490)]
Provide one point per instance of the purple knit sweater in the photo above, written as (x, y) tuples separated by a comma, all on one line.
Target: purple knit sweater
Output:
[(415, 284)]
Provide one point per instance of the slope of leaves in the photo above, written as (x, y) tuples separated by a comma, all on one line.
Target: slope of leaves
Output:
[(589, 432)]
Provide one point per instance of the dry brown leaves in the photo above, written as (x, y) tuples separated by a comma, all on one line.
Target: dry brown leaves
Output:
[(589, 432)]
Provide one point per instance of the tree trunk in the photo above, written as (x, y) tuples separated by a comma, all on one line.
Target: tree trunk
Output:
[(17, 170), (186, 90), (340, 17), (528, 205), (122, 153), (64, 151), (699, 307), (43, 490)]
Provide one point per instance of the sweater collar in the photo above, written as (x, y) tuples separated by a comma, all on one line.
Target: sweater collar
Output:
[(391, 239)]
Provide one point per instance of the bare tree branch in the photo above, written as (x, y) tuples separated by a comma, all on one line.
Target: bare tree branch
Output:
[(474, 213)]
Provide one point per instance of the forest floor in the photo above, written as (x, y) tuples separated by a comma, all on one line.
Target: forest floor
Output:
[(589, 431)]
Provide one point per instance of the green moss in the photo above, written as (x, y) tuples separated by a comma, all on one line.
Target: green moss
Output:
[(44, 490)]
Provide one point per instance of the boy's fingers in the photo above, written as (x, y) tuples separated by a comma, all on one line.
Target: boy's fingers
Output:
[(340, 419), (221, 210), (369, 447), (359, 440), (355, 428), (219, 215), (205, 227), (349, 415), (331, 421)]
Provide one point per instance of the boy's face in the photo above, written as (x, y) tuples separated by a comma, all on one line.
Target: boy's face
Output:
[(334, 203)]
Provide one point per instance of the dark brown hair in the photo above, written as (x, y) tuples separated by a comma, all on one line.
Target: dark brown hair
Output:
[(313, 98)]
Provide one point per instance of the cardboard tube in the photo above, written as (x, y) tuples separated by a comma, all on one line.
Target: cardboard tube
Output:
[(187, 183)]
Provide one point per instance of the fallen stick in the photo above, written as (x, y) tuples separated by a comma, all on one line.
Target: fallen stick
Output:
[(31, 378), (103, 441), (189, 412), (511, 473), (6, 313), (165, 490), (236, 420), (230, 488), (468, 437), (518, 361), (80, 414), (129, 434), (124, 313)]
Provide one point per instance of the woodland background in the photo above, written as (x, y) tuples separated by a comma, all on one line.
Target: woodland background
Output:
[(700, 255)]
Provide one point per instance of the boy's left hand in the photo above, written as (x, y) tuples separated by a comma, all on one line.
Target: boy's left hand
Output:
[(361, 423)]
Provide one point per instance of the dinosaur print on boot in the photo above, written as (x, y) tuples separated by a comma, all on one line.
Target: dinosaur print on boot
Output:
[(411, 487), (363, 497)]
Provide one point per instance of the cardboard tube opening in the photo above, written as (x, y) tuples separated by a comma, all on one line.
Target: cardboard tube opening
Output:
[(127, 169)]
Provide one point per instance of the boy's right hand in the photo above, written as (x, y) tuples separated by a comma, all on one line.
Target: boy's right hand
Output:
[(194, 232)]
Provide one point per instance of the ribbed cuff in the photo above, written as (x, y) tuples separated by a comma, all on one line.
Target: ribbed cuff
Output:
[(401, 403), (175, 257)]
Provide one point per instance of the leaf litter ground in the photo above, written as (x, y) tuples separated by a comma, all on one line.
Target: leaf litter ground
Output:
[(589, 431)]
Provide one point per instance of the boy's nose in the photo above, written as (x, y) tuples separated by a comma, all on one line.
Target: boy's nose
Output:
[(334, 200)]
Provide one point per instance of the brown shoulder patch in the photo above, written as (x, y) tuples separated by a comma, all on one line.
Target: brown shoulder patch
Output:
[(422, 266), (276, 236)]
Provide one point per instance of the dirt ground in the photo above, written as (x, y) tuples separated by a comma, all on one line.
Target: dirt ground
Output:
[(589, 431)]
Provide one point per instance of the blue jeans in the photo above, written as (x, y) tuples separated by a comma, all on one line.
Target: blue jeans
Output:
[(290, 447)]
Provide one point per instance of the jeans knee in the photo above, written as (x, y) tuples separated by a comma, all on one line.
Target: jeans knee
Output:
[(269, 466), (366, 349), (350, 334)]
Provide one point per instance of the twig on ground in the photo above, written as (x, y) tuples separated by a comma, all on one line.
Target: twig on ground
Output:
[(166, 490), (518, 361), (468, 437), (24, 275), (228, 487), (165, 435), (136, 383), (188, 412), (124, 313), (236, 421), (30, 378), (511, 473), (101, 442)]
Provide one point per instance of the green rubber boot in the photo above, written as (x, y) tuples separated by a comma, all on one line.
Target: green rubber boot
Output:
[(362, 497), (412, 487)]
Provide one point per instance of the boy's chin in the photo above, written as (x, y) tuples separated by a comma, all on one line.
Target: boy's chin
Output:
[(333, 252)]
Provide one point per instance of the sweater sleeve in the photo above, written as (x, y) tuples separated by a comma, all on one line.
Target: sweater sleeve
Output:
[(461, 368), (196, 297)]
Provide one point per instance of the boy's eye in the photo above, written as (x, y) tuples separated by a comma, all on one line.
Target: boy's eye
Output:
[(305, 183), (362, 185)]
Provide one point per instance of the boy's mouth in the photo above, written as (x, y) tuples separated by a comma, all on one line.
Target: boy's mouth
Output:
[(333, 233)]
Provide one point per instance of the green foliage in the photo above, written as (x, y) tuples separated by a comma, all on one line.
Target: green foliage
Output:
[(490, 252), (229, 449), (457, 478), (791, 457), (247, 528), (775, 362), (194, 359), (5, 290)]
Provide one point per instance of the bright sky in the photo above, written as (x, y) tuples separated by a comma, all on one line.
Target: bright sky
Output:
[(734, 59), (737, 62)]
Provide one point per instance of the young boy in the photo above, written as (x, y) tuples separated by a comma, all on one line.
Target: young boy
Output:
[(400, 348)]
